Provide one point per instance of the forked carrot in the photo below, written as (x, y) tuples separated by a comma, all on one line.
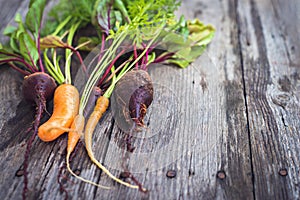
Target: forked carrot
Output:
[(65, 118), (78, 125), (66, 105)]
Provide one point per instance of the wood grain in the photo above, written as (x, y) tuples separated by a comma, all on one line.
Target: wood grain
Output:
[(270, 68), (228, 124)]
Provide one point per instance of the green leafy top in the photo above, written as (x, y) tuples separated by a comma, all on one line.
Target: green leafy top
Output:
[(34, 16), (187, 48), (24, 47), (78, 10), (24, 52), (21, 41), (184, 39), (157, 10), (143, 16)]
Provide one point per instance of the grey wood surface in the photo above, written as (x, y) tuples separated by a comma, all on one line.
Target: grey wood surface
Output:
[(228, 124)]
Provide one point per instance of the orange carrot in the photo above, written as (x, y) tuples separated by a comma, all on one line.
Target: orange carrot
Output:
[(77, 126), (99, 110), (75, 133), (66, 105)]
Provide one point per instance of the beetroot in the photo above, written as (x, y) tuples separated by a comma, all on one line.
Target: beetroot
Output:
[(132, 96), (139, 101), (38, 87)]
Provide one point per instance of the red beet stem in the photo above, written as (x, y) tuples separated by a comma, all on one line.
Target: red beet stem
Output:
[(39, 47), (135, 56), (109, 68), (12, 65), (20, 60), (79, 57), (102, 47), (11, 54), (163, 58), (34, 67)]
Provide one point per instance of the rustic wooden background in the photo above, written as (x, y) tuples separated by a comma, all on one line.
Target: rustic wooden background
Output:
[(228, 125)]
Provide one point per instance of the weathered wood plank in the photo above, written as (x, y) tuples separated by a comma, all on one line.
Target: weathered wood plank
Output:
[(270, 49)]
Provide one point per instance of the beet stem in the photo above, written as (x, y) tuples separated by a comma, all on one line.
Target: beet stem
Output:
[(39, 48), (163, 58), (135, 56), (146, 58), (79, 57), (11, 54), (18, 69), (102, 46), (29, 67), (81, 61), (109, 68)]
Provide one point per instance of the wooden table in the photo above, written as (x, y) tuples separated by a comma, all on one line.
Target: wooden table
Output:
[(232, 130)]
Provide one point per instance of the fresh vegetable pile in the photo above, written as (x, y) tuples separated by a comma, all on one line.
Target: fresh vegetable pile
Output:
[(125, 38)]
